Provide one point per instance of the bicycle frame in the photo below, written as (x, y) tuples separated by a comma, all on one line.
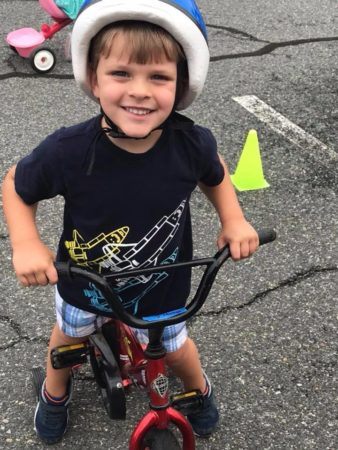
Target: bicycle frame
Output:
[(131, 356)]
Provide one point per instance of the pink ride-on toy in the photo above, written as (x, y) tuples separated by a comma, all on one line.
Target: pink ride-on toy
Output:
[(28, 42)]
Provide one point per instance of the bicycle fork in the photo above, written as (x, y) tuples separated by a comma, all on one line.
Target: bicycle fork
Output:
[(161, 414)]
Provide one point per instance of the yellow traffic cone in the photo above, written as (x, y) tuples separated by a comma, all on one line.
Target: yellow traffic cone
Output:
[(249, 172)]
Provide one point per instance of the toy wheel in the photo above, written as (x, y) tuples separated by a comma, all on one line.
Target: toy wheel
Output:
[(38, 375), (157, 439), (42, 60)]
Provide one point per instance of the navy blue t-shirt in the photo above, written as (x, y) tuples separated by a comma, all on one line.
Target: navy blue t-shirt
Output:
[(132, 211)]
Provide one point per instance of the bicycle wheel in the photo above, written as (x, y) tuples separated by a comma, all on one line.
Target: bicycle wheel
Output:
[(113, 395), (157, 439), (38, 375), (108, 377)]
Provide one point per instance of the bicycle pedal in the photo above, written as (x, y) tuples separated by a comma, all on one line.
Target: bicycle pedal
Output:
[(187, 402), (69, 355)]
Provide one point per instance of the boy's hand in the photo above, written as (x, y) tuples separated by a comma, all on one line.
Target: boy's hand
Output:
[(34, 263), (241, 237)]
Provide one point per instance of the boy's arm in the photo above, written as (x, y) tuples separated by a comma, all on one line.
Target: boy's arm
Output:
[(32, 260), (235, 230)]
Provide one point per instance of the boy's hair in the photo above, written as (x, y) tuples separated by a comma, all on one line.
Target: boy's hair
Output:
[(147, 43)]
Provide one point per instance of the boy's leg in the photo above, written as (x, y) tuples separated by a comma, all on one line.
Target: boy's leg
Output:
[(186, 364), (51, 415), (73, 326), (57, 379)]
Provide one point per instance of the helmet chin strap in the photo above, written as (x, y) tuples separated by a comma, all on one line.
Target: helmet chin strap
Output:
[(175, 121), (113, 131)]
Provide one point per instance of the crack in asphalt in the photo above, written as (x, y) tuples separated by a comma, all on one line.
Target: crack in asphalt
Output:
[(291, 281), (56, 76), (16, 327), (238, 34), (268, 48)]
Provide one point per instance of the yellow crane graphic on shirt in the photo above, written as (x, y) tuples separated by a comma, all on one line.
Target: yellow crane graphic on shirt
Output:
[(86, 253)]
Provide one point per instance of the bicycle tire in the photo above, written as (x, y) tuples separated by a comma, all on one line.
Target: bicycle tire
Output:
[(38, 376), (110, 334), (157, 439), (110, 382), (114, 397)]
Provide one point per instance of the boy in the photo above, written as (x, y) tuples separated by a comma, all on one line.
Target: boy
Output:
[(126, 177)]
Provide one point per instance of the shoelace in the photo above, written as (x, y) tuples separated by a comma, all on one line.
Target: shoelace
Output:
[(53, 416)]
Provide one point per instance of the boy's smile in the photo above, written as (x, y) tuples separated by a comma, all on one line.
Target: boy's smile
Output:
[(136, 97)]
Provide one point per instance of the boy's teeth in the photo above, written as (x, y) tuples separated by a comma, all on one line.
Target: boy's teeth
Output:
[(138, 111)]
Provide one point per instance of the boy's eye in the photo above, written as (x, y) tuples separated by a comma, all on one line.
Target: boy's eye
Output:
[(119, 73), (159, 76)]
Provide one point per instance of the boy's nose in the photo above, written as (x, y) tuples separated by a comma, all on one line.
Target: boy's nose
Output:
[(139, 88)]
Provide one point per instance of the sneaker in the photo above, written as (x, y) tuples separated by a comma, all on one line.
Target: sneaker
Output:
[(50, 421), (205, 420)]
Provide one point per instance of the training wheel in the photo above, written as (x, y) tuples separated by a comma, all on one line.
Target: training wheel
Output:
[(42, 60), (113, 396)]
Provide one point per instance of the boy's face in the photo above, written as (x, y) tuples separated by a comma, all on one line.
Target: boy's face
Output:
[(136, 97)]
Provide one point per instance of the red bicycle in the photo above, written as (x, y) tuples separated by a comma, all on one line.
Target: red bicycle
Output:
[(118, 360)]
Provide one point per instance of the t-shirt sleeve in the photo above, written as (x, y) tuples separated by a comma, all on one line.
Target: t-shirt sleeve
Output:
[(211, 171), (39, 175)]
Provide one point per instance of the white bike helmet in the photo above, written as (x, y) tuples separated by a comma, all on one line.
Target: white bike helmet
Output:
[(181, 18)]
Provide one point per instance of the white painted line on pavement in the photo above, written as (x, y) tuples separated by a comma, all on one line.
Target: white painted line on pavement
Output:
[(284, 126)]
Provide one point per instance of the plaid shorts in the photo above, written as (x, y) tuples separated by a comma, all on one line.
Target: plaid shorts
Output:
[(76, 322)]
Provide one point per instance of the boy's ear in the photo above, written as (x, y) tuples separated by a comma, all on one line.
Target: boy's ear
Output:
[(93, 81)]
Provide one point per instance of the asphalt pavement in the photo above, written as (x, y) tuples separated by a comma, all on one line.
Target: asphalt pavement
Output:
[(268, 333)]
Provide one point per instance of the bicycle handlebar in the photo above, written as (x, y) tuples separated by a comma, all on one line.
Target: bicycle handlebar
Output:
[(213, 264)]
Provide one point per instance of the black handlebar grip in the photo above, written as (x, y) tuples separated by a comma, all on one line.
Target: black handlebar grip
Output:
[(266, 236), (62, 268)]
